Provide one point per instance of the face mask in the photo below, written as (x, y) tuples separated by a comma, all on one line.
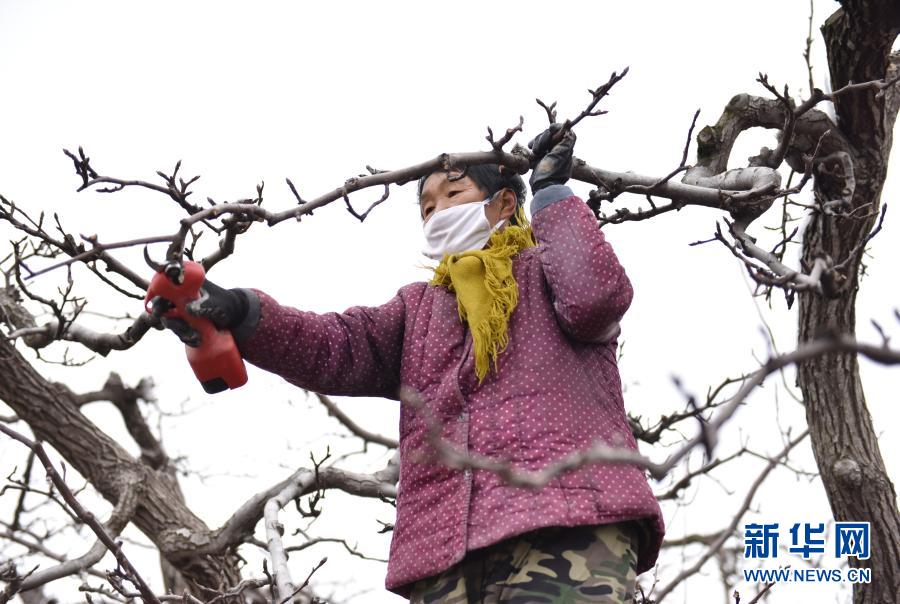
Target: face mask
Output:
[(458, 229)]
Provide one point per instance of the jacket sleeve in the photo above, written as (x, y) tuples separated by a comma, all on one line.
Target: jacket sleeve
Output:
[(354, 353), (589, 288)]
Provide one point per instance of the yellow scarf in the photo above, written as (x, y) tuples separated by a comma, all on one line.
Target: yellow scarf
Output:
[(486, 291)]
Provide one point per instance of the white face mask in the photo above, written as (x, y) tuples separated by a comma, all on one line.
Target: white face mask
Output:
[(458, 229)]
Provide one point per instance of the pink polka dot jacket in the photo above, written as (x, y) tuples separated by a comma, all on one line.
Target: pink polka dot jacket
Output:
[(556, 391)]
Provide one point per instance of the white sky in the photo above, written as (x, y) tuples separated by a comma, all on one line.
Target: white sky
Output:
[(244, 92)]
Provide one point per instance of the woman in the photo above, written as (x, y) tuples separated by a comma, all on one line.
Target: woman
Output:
[(510, 353)]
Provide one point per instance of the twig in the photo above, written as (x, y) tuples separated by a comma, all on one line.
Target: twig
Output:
[(316, 540), (293, 189), (95, 252), (685, 481), (20, 504), (762, 592), (355, 428), (378, 202), (177, 190), (35, 547), (596, 95), (807, 52), (549, 109), (305, 582), (239, 589), (510, 132), (34, 228), (682, 166)]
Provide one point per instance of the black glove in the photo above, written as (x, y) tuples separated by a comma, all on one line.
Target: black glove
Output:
[(226, 308), (554, 158)]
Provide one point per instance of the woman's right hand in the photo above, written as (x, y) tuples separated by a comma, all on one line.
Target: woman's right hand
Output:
[(226, 308)]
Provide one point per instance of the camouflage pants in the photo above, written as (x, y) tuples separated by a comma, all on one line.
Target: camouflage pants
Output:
[(555, 565)]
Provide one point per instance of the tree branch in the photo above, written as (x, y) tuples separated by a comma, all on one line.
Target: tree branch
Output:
[(356, 429), (88, 518), (117, 521), (99, 342), (239, 527)]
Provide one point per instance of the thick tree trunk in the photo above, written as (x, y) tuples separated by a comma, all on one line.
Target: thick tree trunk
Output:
[(858, 38), (52, 413)]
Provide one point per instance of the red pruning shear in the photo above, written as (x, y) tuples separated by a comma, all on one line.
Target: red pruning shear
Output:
[(215, 359)]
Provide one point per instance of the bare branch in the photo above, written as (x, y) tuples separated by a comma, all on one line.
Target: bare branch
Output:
[(35, 547), (125, 399), (378, 202), (726, 533), (117, 521), (94, 252), (316, 540), (176, 189), (549, 109), (34, 228), (240, 525), (602, 453), (761, 593), (355, 428), (20, 505), (510, 132), (88, 518), (807, 52), (101, 343), (685, 481), (596, 96), (305, 582)]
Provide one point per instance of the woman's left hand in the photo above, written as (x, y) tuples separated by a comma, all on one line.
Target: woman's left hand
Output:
[(553, 150)]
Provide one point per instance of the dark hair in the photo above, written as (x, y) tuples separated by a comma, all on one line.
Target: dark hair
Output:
[(492, 179)]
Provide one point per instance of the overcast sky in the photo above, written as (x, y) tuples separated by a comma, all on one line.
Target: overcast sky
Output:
[(246, 92)]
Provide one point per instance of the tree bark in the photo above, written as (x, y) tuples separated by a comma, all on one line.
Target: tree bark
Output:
[(858, 38)]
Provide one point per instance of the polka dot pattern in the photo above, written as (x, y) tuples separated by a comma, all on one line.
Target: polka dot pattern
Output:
[(557, 390)]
